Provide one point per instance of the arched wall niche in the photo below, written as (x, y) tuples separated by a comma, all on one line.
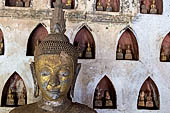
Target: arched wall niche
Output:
[(165, 49), (105, 95), (14, 92), (18, 3), (108, 5), (67, 4), (151, 6), (127, 47), (148, 96), (84, 41), (1, 43), (38, 34)]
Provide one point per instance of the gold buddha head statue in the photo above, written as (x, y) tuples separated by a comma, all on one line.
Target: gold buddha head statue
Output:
[(55, 64)]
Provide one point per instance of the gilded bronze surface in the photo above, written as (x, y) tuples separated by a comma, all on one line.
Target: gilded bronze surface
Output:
[(55, 68)]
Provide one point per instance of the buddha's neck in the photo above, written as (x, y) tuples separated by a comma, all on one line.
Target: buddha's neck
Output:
[(61, 104), (57, 102)]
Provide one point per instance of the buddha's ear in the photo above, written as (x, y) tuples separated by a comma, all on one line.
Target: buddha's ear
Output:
[(36, 87), (75, 77)]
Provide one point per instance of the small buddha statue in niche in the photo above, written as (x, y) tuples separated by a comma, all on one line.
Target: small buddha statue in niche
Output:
[(108, 101), (68, 4), (99, 6), (141, 102), (10, 98), (1, 47), (163, 56), (80, 51), (19, 3), (27, 3), (88, 51), (21, 98), (56, 79), (119, 54), (98, 99), (143, 8), (149, 101), (108, 6), (153, 9), (128, 54)]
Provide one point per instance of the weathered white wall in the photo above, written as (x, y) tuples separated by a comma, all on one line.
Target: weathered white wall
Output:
[(126, 76)]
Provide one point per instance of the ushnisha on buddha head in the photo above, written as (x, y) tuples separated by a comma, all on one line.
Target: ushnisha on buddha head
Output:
[(55, 63)]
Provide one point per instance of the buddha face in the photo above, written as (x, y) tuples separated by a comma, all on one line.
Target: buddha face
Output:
[(54, 75)]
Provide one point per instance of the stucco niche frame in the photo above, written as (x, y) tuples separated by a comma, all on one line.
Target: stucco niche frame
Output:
[(139, 86), (90, 30), (160, 45), (97, 81), (33, 28), (138, 8), (24, 81), (31, 5), (94, 7), (119, 36), (75, 5)]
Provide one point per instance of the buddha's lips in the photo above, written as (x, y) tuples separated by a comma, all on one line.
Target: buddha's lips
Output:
[(56, 91)]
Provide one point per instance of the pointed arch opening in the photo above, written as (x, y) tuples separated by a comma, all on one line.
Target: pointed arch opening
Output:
[(38, 34), (108, 5), (67, 4), (84, 41), (151, 6), (148, 96), (14, 92), (127, 48), (105, 95), (165, 49), (18, 3), (1, 43)]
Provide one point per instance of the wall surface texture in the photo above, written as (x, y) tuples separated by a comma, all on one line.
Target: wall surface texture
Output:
[(126, 76)]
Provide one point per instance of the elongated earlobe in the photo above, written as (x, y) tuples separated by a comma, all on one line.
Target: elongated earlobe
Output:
[(74, 79), (36, 87)]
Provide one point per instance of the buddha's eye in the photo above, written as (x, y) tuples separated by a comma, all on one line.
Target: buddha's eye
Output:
[(64, 72), (44, 72)]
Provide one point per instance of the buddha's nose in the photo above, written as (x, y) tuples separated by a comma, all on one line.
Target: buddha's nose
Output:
[(54, 80)]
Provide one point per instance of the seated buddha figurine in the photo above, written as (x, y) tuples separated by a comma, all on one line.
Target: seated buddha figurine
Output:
[(108, 7), (141, 102), (26, 3), (99, 6), (68, 4), (21, 98), (119, 54), (163, 56), (149, 101), (128, 54), (153, 9), (10, 98), (108, 101), (88, 51), (19, 3), (143, 8), (80, 51), (55, 64), (98, 99)]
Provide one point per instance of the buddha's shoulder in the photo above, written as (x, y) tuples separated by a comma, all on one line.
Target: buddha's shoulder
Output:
[(80, 108), (25, 108)]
